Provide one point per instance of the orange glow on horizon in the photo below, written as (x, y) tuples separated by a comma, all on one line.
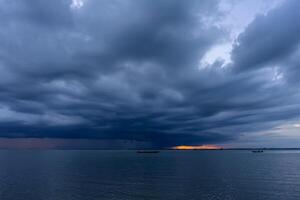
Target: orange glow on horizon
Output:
[(200, 147)]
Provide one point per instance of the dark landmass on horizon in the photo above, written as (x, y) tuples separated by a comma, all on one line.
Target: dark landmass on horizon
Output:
[(164, 149)]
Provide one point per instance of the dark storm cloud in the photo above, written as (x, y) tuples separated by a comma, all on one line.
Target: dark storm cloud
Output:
[(128, 70)]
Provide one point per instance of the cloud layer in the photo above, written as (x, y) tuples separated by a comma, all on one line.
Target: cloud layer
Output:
[(131, 70)]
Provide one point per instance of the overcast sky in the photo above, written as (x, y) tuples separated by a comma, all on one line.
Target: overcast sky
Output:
[(150, 73)]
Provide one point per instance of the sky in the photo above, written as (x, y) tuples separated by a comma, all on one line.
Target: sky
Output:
[(149, 74)]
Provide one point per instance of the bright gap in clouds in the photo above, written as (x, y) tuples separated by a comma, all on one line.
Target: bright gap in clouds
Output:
[(77, 4), (219, 53), (237, 16)]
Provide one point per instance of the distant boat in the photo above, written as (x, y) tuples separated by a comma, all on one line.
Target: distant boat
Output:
[(148, 151), (257, 151)]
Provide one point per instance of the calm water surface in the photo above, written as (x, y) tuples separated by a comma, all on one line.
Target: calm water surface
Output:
[(91, 175)]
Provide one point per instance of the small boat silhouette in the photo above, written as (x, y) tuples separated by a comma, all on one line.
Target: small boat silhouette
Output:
[(257, 151)]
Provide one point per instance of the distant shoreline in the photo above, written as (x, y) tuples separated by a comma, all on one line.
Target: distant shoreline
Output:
[(95, 149)]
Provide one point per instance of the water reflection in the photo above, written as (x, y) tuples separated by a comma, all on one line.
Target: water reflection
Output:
[(77, 175)]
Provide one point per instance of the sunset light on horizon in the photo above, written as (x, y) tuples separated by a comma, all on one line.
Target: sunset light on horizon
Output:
[(200, 147)]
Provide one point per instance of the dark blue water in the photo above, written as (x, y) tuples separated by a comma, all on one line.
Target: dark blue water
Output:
[(89, 175)]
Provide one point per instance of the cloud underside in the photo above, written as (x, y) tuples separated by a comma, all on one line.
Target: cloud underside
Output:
[(130, 70)]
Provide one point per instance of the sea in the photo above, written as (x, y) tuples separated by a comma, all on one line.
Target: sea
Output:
[(167, 175)]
